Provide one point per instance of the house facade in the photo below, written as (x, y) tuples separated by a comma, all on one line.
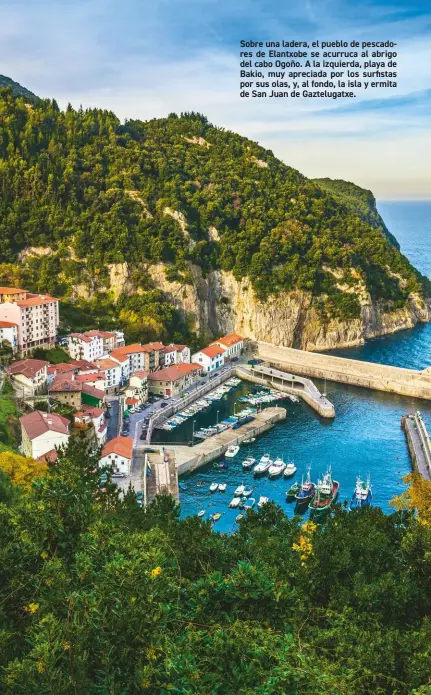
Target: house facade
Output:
[(138, 387), (118, 453), (210, 358), (112, 373), (81, 346), (95, 416), (29, 376), (35, 315), (173, 380), (174, 354), (42, 432), (232, 344), (9, 334)]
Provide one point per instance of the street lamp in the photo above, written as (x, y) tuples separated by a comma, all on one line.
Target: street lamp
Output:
[(193, 432), (217, 416)]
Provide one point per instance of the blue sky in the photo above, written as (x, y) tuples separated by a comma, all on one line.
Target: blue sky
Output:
[(144, 59)]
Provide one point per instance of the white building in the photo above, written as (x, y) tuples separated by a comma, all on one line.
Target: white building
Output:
[(35, 315), (138, 387), (232, 344), (210, 358), (97, 417), (85, 347), (174, 354), (42, 433), (118, 453), (29, 376), (9, 334), (112, 371)]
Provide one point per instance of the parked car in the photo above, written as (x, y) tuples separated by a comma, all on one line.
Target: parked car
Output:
[(234, 359), (164, 405), (143, 435)]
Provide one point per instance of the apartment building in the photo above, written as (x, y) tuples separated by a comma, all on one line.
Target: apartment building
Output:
[(232, 344), (35, 315), (81, 346), (146, 357), (42, 433), (9, 334), (174, 354), (112, 372), (29, 376), (173, 380), (210, 358)]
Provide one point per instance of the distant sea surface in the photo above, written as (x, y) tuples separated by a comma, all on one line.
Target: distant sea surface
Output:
[(365, 436)]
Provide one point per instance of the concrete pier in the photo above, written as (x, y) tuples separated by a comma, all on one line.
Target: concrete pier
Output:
[(163, 479), (382, 377), (288, 383), (190, 458), (418, 443)]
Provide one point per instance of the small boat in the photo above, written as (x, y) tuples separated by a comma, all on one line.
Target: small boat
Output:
[(215, 517), (276, 468), (362, 494), (306, 491), (290, 470), (325, 494), (220, 465), (247, 490), (239, 491), (250, 440), (231, 451), (292, 492), (263, 465), (213, 487), (248, 463), (262, 501), (182, 486), (235, 502), (250, 503), (202, 512), (239, 517), (222, 487), (294, 399)]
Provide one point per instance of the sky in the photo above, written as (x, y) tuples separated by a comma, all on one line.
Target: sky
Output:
[(147, 58)]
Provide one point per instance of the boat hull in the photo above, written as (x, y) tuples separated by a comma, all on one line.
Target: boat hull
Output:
[(321, 507)]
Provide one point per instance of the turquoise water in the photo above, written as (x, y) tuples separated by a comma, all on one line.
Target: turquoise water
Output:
[(365, 436)]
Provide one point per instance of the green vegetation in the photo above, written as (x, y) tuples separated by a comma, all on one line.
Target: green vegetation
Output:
[(100, 596), (98, 193), (17, 89), (54, 355), (9, 426)]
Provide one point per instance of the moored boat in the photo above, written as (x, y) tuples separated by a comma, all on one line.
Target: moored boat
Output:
[(222, 487), (202, 512), (325, 494), (250, 440), (248, 463), (235, 502), (289, 470), (232, 451), (215, 517), (239, 517), (306, 491), (250, 503), (247, 491), (263, 465), (213, 487), (362, 494), (262, 501), (276, 468), (239, 491), (292, 492)]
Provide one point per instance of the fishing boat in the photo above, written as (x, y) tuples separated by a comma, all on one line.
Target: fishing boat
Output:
[(290, 470), (250, 440), (262, 501), (306, 491), (235, 502), (213, 487), (248, 463), (182, 486), (325, 494), (202, 512), (263, 465), (247, 491), (232, 451), (222, 487), (362, 494), (276, 468), (250, 503), (215, 517), (292, 492), (239, 491)]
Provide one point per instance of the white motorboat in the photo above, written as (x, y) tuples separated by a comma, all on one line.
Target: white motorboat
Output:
[(239, 491), (276, 468), (235, 502), (248, 463), (222, 487), (263, 465), (247, 490), (294, 399), (213, 487), (262, 501), (290, 470), (202, 512), (250, 440), (232, 451)]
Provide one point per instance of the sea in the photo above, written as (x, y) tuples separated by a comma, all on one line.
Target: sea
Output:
[(365, 438)]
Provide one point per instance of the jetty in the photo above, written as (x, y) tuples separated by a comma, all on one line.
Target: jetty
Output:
[(163, 475), (188, 458), (381, 377), (288, 383), (418, 442)]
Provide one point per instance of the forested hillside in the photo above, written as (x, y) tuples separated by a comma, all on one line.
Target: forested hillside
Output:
[(100, 596), (181, 191)]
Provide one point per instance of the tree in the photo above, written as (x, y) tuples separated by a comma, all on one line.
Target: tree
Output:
[(22, 470)]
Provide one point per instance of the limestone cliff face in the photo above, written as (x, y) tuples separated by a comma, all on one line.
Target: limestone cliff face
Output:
[(219, 304)]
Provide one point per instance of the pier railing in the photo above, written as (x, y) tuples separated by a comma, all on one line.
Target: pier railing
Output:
[(424, 439)]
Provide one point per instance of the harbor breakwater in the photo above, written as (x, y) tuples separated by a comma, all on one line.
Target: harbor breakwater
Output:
[(371, 375)]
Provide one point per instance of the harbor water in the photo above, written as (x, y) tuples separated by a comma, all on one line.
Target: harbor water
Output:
[(365, 437)]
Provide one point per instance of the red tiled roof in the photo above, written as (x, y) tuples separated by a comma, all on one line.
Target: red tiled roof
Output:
[(230, 339), (141, 373), (212, 351), (11, 290), (61, 384), (80, 336), (37, 423), (123, 352), (107, 363), (7, 324), (88, 378), (91, 391), (35, 300), (131, 401), (83, 365), (174, 372), (28, 368), (173, 348), (50, 456), (123, 446)]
